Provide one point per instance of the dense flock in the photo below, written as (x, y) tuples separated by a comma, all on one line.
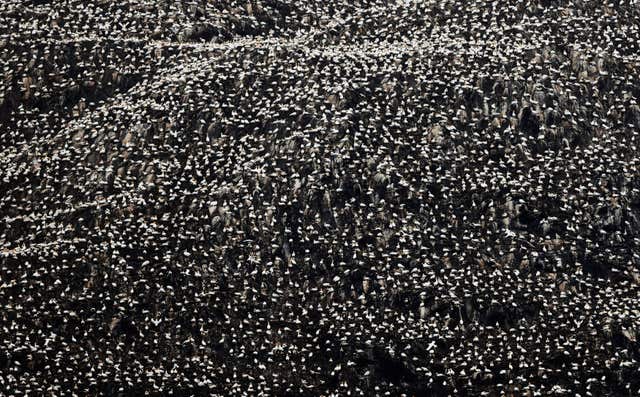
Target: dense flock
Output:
[(329, 198)]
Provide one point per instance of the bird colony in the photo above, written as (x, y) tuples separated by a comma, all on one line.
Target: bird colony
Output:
[(320, 198)]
